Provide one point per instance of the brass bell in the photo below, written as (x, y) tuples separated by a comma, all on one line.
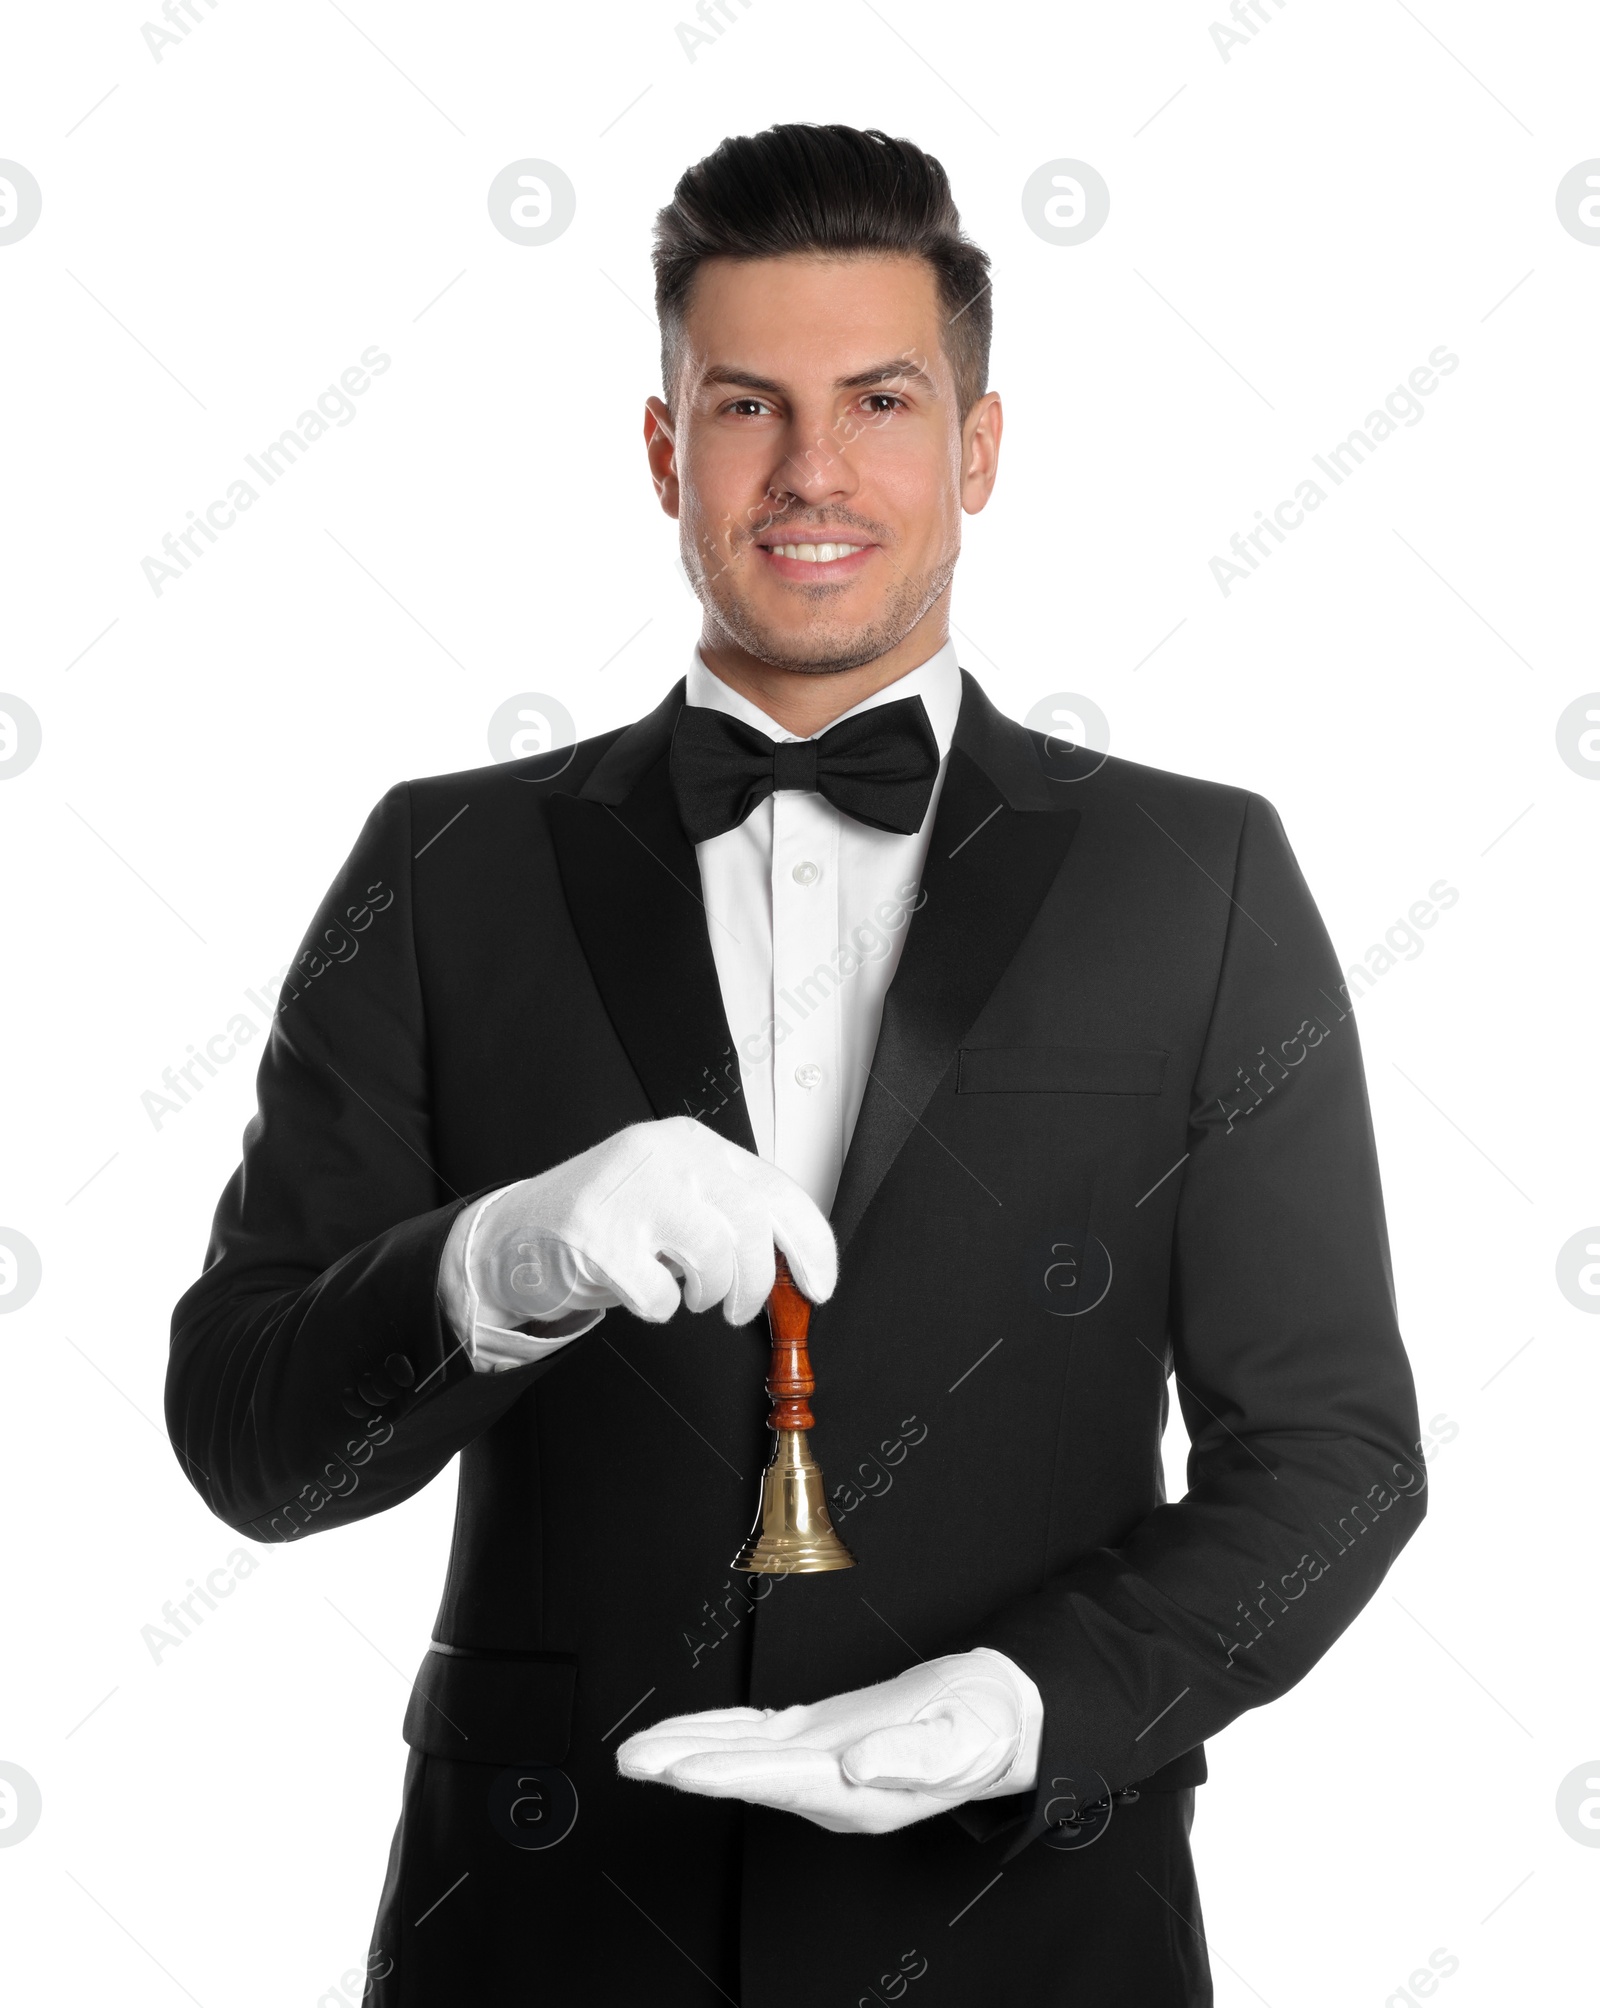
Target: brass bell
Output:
[(792, 1534)]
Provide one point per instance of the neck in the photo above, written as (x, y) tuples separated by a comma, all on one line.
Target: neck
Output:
[(804, 701)]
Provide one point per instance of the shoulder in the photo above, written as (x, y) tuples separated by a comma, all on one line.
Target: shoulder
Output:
[(562, 771), (474, 815), (1133, 815), (1040, 770), (1106, 787)]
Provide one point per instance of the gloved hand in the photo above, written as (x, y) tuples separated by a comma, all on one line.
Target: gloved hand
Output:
[(626, 1221), (967, 1726)]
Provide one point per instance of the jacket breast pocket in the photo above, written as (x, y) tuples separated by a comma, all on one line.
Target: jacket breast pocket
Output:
[(492, 1708), (1058, 1070)]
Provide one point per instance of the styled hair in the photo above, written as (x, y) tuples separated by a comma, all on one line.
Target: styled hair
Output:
[(830, 189)]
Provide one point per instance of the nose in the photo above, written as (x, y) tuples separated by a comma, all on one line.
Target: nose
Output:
[(815, 468)]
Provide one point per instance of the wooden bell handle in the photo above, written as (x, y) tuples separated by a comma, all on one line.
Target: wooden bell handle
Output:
[(789, 1376)]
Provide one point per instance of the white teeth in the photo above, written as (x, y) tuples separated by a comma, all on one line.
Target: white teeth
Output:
[(815, 554)]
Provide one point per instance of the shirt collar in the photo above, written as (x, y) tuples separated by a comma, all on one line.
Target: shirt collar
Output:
[(937, 682)]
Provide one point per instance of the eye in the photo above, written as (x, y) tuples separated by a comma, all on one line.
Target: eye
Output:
[(746, 407), (881, 402)]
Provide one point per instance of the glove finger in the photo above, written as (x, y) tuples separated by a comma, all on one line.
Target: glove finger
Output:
[(643, 1286), (755, 1264), (654, 1756), (706, 1258), (809, 1785), (776, 1777), (736, 1720), (650, 1756), (801, 1230), (749, 1188), (652, 1749), (645, 1756)]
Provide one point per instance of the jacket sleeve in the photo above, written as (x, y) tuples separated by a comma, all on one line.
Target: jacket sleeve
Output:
[(313, 1378), (1305, 1478)]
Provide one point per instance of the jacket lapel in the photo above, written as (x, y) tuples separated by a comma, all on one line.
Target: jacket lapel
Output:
[(632, 886), (999, 836)]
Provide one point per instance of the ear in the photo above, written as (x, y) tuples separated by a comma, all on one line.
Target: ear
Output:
[(980, 451), (661, 451)]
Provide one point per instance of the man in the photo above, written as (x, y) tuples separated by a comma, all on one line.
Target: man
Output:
[(1038, 1070)]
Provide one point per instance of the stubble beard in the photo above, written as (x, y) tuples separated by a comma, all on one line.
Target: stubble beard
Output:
[(816, 649)]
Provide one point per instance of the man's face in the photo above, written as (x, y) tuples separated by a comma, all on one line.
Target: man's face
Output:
[(815, 457)]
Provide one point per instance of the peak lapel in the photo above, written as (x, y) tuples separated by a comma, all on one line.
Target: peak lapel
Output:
[(632, 885), (1000, 833)]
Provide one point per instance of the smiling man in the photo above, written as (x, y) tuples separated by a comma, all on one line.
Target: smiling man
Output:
[(1033, 1065)]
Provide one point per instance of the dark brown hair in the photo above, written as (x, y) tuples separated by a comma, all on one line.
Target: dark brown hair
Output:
[(824, 188)]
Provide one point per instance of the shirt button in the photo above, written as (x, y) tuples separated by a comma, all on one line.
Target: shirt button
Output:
[(806, 873), (810, 1075)]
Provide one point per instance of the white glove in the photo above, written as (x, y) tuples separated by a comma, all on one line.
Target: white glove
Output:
[(967, 1726), (624, 1223)]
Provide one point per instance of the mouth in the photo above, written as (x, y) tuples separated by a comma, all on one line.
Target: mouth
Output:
[(816, 560)]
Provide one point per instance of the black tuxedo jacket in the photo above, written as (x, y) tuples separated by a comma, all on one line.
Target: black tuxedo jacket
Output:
[(1116, 1133)]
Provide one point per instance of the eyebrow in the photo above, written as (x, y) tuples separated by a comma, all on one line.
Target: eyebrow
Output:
[(897, 371)]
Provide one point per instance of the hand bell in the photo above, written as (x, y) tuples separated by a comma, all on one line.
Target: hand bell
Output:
[(792, 1534)]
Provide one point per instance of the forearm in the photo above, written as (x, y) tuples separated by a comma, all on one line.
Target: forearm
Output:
[(1215, 1605), (300, 1407)]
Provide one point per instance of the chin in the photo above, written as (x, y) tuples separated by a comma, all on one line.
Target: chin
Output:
[(826, 643), (816, 650)]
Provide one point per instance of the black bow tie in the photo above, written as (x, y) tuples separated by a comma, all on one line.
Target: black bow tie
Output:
[(879, 767)]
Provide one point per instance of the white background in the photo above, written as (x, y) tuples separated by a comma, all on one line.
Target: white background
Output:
[(1292, 231)]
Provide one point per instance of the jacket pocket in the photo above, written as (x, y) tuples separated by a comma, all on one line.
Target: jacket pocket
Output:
[(492, 1708), (1058, 1070)]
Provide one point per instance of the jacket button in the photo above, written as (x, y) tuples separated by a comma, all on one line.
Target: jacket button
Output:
[(399, 1369)]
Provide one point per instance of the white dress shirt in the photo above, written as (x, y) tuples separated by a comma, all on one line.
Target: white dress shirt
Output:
[(807, 911)]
